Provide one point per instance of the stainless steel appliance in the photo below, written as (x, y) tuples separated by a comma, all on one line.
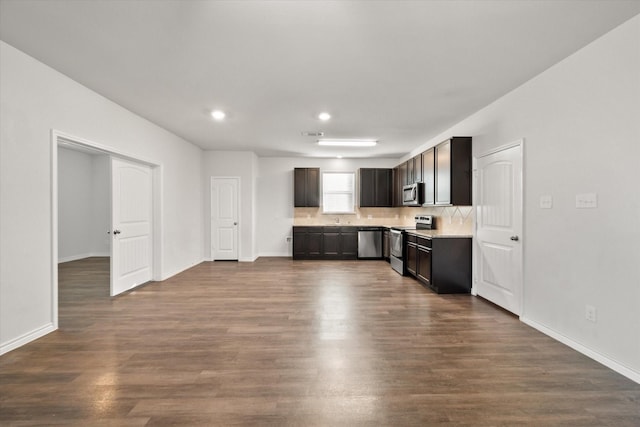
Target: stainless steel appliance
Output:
[(396, 249), (369, 243), (397, 237), (412, 194)]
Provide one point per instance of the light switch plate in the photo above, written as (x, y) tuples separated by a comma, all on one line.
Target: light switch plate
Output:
[(586, 201), (546, 202)]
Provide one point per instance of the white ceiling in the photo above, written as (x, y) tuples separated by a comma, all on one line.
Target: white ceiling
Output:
[(397, 71)]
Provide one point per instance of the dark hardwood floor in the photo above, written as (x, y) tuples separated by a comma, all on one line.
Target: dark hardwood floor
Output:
[(298, 343)]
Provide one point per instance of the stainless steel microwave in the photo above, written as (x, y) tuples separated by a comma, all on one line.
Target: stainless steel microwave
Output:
[(412, 194)]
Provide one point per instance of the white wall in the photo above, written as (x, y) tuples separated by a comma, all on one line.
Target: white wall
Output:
[(275, 195), (241, 164), (83, 205), (34, 99), (581, 123)]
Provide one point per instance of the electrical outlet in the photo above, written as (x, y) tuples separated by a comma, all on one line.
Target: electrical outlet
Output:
[(590, 313), (587, 201), (288, 239), (546, 202)]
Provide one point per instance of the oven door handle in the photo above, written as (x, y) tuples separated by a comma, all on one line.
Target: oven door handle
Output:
[(395, 231)]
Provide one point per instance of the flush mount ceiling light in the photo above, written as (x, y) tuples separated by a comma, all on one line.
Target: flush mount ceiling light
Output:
[(348, 142), (218, 115), (324, 116)]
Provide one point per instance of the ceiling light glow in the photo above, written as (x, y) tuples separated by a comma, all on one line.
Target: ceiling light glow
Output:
[(324, 116), (218, 114), (348, 142)]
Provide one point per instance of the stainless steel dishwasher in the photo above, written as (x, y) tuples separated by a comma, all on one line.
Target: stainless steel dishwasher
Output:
[(370, 243)]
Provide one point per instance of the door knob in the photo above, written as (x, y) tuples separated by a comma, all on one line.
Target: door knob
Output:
[(515, 238), (116, 232)]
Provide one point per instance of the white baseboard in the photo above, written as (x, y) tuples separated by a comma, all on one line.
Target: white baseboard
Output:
[(83, 256), (275, 254), (26, 338), (600, 358), (248, 259), (169, 275)]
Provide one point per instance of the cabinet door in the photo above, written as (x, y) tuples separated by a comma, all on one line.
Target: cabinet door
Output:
[(367, 187), (349, 244), (418, 169), (461, 171), (306, 187), (402, 170), (314, 243), (313, 187), (424, 265), (412, 258), (383, 182), (429, 176), (300, 244), (299, 187), (443, 173), (331, 243), (397, 187), (410, 171)]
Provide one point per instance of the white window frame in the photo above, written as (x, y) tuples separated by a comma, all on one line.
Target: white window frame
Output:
[(352, 192)]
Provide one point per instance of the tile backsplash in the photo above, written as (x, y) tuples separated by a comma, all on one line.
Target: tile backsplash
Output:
[(451, 219)]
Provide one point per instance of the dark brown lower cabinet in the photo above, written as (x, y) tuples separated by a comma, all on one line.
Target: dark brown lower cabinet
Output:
[(307, 243), (349, 237), (411, 255), (320, 242), (442, 263), (331, 242)]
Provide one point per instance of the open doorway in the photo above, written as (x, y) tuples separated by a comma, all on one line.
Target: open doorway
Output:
[(93, 186), (84, 221)]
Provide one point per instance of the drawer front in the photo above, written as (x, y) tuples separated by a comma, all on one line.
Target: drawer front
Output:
[(412, 238), (423, 241)]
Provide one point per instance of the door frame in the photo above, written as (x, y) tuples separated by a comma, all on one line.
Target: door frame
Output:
[(61, 138), (239, 210), (476, 255)]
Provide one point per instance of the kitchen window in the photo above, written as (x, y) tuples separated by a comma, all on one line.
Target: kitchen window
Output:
[(338, 192)]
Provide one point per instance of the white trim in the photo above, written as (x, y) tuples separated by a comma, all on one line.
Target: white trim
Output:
[(174, 273), (518, 142), (598, 357), (247, 259), (83, 256), (275, 254), (27, 338), (53, 203)]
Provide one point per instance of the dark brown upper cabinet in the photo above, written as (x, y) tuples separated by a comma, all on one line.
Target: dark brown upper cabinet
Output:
[(376, 188), (453, 172), (411, 167), (429, 176), (306, 187), (418, 169)]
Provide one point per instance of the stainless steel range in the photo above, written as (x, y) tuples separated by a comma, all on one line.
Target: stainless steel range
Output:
[(396, 241)]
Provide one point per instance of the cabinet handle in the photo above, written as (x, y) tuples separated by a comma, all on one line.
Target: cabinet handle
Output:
[(115, 232), (515, 238)]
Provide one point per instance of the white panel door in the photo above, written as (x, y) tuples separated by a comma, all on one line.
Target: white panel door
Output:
[(224, 218), (499, 228), (131, 205)]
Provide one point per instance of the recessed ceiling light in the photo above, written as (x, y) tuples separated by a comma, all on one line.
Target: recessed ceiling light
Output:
[(218, 114), (348, 142), (324, 116)]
